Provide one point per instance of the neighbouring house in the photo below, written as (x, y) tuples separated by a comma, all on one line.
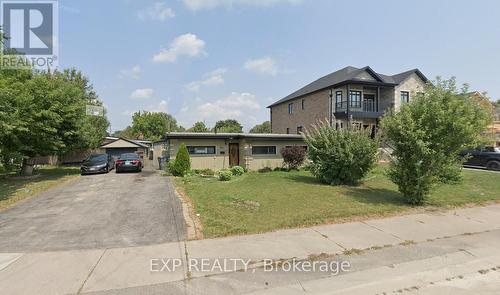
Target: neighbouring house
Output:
[(217, 151), (360, 96)]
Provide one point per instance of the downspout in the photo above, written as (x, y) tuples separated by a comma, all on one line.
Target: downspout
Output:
[(330, 108), (348, 95)]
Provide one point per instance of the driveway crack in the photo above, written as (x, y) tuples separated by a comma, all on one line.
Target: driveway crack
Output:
[(91, 271)]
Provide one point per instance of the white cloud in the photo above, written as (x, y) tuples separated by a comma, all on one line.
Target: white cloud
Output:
[(213, 78), (158, 12), (265, 65), (142, 93), (161, 106), (184, 45), (243, 107), (133, 73), (209, 4)]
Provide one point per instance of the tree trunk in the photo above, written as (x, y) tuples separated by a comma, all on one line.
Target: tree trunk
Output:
[(27, 168)]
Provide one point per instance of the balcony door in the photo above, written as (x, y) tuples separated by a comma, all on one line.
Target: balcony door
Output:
[(369, 103)]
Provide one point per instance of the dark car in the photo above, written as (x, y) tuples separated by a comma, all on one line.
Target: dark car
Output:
[(484, 157), (129, 162), (99, 163)]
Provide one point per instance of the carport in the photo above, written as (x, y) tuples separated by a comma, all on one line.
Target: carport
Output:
[(123, 145)]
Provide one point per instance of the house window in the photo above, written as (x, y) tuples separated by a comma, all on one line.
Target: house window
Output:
[(290, 108), (288, 131), (405, 96), (300, 129), (264, 150), (338, 99), (303, 105), (201, 150), (355, 98)]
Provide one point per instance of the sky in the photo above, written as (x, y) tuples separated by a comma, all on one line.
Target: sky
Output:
[(207, 60)]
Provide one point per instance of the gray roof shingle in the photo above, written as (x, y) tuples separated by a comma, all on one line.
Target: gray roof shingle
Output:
[(348, 74)]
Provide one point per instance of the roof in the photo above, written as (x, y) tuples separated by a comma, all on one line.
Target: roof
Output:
[(350, 75), (256, 136), (139, 144)]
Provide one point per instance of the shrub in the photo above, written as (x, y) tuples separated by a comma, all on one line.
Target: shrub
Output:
[(225, 175), (237, 170), (206, 172), (182, 163), (265, 170), (427, 136), (340, 156), (293, 156)]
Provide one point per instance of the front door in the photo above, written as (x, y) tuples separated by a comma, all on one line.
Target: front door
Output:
[(369, 103), (234, 154)]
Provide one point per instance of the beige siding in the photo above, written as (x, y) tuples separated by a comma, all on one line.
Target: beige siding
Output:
[(120, 143), (221, 158), (316, 108)]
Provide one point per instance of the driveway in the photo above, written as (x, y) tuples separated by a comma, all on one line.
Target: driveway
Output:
[(96, 211)]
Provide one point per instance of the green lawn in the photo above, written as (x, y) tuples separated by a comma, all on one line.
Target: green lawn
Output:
[(14, 189), (260, 202)]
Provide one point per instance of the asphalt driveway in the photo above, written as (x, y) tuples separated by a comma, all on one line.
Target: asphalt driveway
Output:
[(96, 211)]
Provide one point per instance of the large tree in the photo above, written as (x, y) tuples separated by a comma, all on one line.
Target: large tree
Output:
[(262, 128), (427, 136), (153, 125), (44, 113), (199, 127), (228, 126)]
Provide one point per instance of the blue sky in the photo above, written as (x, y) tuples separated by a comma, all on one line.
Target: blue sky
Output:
[(205, 60)]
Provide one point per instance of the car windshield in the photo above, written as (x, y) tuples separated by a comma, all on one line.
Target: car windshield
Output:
[(129, 157), (97, 158), (491, 149)]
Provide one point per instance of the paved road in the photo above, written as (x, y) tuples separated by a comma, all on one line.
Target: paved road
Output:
[(96, 211)]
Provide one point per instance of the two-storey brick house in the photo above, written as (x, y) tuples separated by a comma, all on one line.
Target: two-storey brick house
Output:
[(361, 95)]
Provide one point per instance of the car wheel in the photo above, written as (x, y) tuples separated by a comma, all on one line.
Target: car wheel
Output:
[(493, 165)]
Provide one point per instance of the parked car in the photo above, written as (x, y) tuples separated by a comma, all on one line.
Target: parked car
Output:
[(129, 162), (484, 157), (98, 163)]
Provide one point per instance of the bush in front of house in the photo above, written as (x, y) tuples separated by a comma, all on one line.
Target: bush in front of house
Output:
[(182, 163), (237, 170), (427, 136), (225, 175), (204, 172), (293, 156), (340, 156)]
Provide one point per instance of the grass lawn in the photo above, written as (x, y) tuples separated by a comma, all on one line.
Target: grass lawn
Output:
[(260, 202), (14, 189)]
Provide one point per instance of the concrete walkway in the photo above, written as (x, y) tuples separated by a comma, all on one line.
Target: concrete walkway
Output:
[(418, 254)]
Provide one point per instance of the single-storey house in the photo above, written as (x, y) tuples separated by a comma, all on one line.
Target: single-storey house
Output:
[(218, 151)]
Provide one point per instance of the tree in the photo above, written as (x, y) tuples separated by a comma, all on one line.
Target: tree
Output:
[(152, 125), (262, 128), (45, 114), (199, 127), (427, 136), (182, 162), (228, 126), (340, 156), (293, 156)]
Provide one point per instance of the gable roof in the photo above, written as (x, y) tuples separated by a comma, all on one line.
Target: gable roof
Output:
[(350, 75), (133, 142)]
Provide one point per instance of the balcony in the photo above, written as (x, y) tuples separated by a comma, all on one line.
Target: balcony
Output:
[(357, 106), (359, 109)]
